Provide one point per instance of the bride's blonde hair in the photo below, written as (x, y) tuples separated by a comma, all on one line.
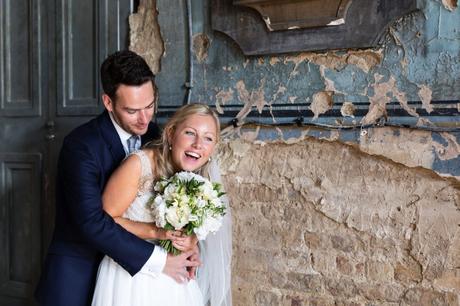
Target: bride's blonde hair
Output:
[(162, 159)]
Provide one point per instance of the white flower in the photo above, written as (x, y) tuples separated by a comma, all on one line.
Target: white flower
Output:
[(201, 203), (210, 225), (216, 202), (170, 191), (187, 176), (160, 185), (159, 211), (178, 216)]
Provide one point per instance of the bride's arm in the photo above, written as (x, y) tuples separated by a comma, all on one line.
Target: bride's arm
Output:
[(121, 191)]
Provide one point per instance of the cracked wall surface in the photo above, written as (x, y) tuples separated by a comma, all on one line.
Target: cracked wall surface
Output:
[(414, 74), (334, 216), (145, 36), (320, 223)]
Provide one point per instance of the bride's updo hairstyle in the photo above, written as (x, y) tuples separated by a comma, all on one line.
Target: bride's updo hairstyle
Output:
[(163, 164)]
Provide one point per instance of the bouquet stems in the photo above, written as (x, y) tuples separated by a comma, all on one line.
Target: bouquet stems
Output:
[(168, 246)]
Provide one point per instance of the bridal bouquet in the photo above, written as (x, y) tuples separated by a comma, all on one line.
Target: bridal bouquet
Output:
[(188, 202)]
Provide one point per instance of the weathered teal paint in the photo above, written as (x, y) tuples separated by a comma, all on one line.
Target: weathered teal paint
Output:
[(422, 49)]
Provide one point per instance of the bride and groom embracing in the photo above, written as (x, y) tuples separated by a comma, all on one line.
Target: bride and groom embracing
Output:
[(103, 250)]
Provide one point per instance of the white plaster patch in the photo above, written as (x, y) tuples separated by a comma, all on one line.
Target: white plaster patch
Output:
[(322, 102), (425, 94), (348, 109), (223, 97)]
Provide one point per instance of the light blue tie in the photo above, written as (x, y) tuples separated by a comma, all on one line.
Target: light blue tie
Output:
[(134, 143)]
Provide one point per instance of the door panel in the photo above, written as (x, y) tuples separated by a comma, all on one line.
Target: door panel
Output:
[(20, 65), (20, 226), (78, 58), (22, 117), (50, 54)]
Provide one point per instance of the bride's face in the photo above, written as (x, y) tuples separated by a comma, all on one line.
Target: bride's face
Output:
[(193, 142)]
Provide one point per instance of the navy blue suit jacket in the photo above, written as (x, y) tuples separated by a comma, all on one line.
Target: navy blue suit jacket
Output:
[(83, 231)]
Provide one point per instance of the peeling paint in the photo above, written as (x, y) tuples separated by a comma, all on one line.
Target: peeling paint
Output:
[(450, 5), (274, 60), (255, 98), (329, 84), (348, 109), (365, 60), (201, 44), (425, 95), (223, 97), (451, 151), (381, 98), (322, 102), (281, 90), (145, 35), (250, 136)]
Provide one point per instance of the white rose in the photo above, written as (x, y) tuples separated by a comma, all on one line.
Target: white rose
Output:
[(178, 217)]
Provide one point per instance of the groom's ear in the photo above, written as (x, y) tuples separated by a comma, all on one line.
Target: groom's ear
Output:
[(108, 103)]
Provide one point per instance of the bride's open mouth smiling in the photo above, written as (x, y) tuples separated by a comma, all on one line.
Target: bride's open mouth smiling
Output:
[(192, 155)]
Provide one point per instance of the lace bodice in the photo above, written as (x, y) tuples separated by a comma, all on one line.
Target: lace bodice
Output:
[(139, 210)]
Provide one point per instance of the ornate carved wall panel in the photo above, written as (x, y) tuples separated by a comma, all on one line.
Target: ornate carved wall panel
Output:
[(297, 14), (19, 65), (20, 231), (363, 24)]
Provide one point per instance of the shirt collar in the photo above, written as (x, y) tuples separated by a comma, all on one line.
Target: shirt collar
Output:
[(121, 133)]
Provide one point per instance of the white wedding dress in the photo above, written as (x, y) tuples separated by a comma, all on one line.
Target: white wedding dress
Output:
[(116, 287)]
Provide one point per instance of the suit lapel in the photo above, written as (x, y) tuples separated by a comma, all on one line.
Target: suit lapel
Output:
[(111, 137)]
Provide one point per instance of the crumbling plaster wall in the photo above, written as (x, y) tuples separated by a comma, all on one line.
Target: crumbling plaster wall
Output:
[(337, 216), (322, 223)]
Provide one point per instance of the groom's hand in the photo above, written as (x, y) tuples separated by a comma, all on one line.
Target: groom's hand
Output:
[(176, 266), (195, 256)]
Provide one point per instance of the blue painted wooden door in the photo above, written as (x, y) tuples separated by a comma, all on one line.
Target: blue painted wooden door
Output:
[(50, 53)]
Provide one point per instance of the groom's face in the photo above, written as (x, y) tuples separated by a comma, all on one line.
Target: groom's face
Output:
[(133, 107)]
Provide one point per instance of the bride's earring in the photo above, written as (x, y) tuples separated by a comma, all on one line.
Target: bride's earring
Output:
[(170, 148)]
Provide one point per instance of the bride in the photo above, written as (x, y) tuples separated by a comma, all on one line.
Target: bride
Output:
[(187, 143)]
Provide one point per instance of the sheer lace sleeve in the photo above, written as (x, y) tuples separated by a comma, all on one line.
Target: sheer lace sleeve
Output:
[(146, 179)]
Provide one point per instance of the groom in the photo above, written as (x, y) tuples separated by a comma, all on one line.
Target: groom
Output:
[(83, 231)]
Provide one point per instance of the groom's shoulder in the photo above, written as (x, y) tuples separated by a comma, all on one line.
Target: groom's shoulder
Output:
[(90, 130)]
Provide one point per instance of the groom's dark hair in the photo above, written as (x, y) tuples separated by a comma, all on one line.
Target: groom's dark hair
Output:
[(127, 68)]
